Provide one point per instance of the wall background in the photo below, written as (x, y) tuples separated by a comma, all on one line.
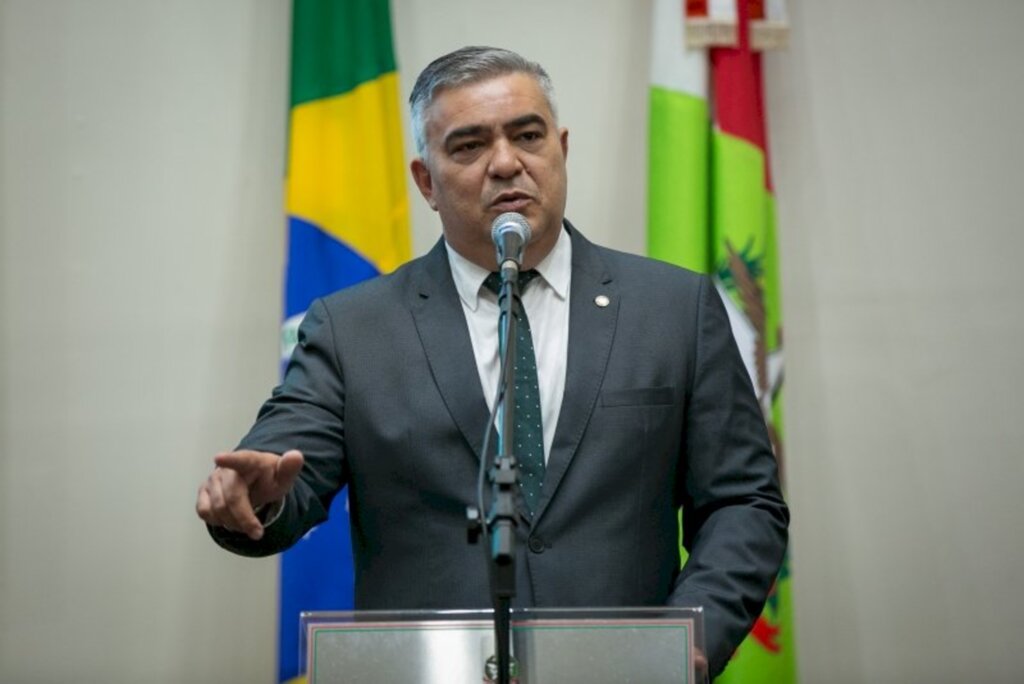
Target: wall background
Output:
[(141, 243)]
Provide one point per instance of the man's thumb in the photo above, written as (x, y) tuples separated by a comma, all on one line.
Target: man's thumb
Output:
[(288, 467)]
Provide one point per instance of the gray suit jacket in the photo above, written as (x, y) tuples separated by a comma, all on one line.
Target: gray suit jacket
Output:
[(383, 395)]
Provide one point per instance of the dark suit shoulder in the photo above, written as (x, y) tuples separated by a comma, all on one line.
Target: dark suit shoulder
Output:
[(369, 291), (643, 264), (656, 279)]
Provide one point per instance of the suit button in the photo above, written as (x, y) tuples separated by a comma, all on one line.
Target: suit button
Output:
[(536, 544)]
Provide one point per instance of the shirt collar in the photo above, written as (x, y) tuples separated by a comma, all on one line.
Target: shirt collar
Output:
[(555, 269)]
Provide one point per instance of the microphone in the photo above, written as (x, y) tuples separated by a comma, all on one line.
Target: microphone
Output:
[(510, 233)]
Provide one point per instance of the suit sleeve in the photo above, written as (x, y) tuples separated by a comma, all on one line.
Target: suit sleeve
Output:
[(734, 516), (305, 412)]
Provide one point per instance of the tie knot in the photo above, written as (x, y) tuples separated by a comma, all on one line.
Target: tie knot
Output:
[(493, 282)]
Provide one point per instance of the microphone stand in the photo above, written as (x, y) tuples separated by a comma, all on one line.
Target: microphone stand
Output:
[(501, 520)]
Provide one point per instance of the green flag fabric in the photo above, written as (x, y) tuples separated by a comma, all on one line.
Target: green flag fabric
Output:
[(711, 209)]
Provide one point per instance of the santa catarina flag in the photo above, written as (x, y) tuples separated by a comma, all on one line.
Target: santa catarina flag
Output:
[(711, 209), (348, 220)]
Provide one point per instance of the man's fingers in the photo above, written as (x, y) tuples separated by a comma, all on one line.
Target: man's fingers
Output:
[(243, 480), (203, 503), (218, 510), (700, 665), (246, 462), (229, 504), (239, 507)]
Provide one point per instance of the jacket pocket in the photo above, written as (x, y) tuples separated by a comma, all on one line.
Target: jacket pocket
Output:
[(640, 396)]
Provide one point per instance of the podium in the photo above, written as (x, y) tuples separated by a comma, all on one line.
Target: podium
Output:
[(549, 646)]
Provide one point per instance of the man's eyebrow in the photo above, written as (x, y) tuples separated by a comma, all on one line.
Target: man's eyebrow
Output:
[(526, 120), (465, 131)]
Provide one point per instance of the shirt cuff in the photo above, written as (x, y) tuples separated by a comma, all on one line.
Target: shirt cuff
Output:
[(269, 512)]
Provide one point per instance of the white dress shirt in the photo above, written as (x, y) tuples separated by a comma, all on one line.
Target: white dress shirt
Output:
[(546, 301)]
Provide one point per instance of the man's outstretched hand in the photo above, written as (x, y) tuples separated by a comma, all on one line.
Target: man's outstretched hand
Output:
[(242, 482)]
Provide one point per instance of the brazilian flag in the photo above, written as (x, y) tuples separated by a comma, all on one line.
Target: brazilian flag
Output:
[(348, 220)]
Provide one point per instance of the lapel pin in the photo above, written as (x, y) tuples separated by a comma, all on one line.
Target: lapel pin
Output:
[(601, 301)]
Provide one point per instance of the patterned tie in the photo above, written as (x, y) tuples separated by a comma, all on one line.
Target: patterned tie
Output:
[(528, 435)]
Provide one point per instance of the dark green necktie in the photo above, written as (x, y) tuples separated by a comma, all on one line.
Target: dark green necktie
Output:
[(528, 436)]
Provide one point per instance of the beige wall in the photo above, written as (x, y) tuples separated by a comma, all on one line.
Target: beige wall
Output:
[(141, 148), (900, 168)]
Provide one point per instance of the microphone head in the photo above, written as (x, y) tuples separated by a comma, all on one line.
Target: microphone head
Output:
[(510, 221), (510, 233)]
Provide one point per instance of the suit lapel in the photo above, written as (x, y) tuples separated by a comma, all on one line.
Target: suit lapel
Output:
[(591, 331), (441, 325)]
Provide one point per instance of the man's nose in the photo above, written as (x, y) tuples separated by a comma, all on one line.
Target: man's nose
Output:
[(505, 161)]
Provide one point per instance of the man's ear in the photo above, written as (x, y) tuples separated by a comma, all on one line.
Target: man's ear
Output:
[(421, 176), (563, 138)]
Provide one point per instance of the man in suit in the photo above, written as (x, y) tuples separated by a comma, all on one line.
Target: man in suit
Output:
[(644, 401)]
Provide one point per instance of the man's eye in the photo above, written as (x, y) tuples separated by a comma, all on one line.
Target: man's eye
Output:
[(468, 146), (530, 136)]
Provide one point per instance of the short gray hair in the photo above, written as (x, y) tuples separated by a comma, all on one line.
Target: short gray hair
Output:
[(464, 66)]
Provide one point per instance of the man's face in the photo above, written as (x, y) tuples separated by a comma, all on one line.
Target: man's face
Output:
[(492, 147)]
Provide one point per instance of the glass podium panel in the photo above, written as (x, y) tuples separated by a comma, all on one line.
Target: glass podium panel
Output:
[(549, 646)]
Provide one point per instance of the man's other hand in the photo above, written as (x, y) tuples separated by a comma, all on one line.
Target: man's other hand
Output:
[(242, 482), (700, 665)]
